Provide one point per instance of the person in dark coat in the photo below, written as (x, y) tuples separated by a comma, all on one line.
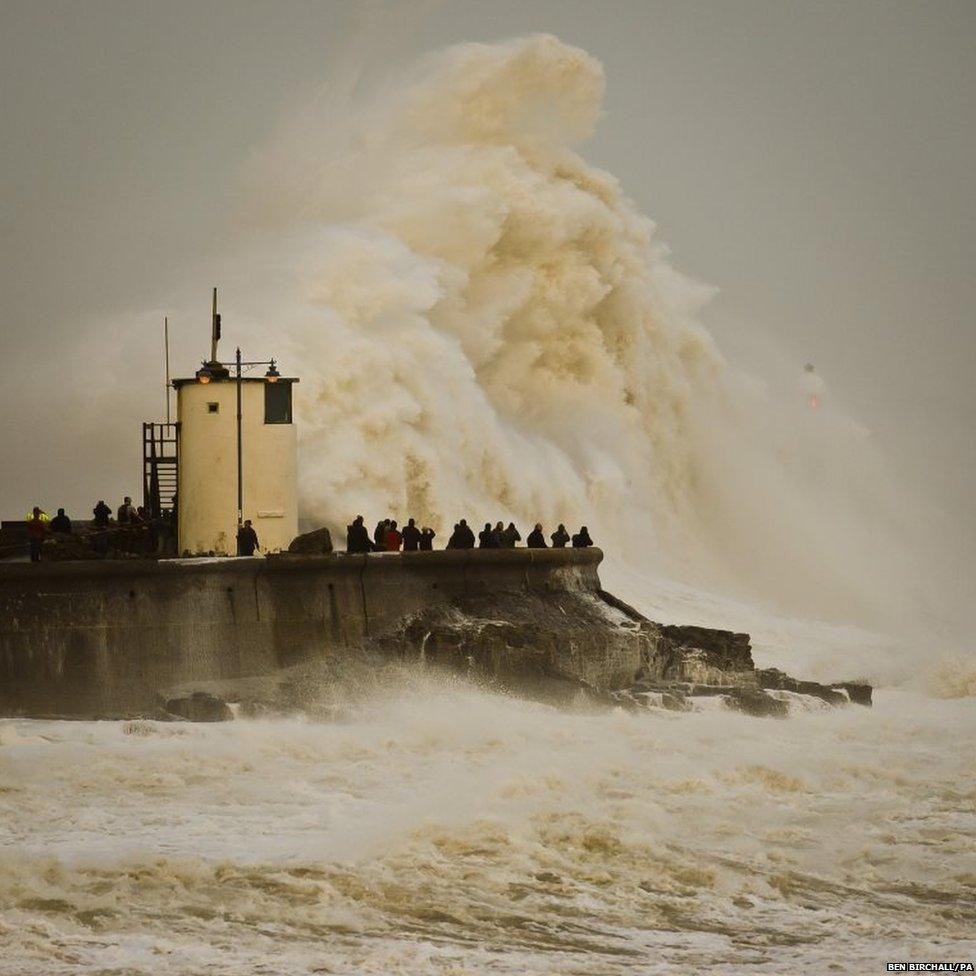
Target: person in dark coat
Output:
[(411, 536), (127, 512), (247, 539), (560, 537), (427, 539), (462, 538), (379, 534), (510, 536), (102, 514), (536, 539), (582, 539), (467, 536), (484, 537), (357, 537), (498, 536), (61, 523)]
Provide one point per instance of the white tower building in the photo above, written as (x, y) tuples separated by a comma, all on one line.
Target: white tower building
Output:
[(237, 456)]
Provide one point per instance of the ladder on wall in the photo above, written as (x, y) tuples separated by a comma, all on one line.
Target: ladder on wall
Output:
[(160, 450)]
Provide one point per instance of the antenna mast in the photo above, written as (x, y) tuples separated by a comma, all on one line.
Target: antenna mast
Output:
[(166, 345), (214, 329)]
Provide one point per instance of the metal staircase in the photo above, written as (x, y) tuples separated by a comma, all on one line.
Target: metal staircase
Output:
[(160, 451)]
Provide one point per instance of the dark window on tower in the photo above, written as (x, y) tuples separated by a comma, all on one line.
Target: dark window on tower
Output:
[(277, 403)]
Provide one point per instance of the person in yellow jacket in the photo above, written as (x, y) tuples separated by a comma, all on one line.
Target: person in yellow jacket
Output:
[(36, 531)]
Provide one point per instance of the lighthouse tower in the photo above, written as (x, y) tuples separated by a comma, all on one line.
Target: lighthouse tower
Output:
[(237, 454)]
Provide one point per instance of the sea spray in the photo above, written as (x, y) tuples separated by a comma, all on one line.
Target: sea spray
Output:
[(487, 327)]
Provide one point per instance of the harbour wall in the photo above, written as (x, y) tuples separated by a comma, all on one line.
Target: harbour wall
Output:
[(109, 638)]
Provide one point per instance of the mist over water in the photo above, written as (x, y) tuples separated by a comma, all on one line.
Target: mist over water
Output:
[(485, 327)]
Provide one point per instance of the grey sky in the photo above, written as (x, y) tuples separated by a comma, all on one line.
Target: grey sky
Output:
[(813, 160)]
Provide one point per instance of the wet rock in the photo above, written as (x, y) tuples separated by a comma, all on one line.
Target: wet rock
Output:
[(318, 542), (754, 701), (200, 707), (674, 701), (557, 646), (722, 650), (859, 692)]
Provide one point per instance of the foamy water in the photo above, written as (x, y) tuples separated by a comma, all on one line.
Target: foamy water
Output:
[(447, 829)]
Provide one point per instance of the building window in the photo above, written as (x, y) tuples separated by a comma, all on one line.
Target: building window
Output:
[(213, 408), (277, 403)]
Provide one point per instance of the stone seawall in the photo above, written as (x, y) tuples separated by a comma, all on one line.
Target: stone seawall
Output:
[(111, 637)]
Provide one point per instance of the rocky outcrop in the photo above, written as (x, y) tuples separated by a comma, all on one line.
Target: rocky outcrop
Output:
[(547, 643), (200, 707), (564, 645)]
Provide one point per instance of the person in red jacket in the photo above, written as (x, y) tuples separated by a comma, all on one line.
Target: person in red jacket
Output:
[(392, 539)]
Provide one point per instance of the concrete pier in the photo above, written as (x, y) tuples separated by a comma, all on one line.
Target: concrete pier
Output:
[(110, 637)]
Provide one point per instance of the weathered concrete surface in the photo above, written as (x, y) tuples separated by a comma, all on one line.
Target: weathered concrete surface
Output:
[(109, 638)]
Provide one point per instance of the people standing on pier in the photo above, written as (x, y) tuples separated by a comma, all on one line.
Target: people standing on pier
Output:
[(498, 536), (247, 539), (462, 537), (510, 536), (127, 512), (392, 539), (102, 514), (357, 536), (582, 539), (560, 537), (36, 531), (379, 534), (427, 539), (484, 537), (536, 539), (411, 536), (61, 523)]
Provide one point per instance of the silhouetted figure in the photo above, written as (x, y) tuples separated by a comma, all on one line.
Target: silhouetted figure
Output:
[(379, 534), (510, 536), (392, 539), (102, 514), (141, 515), (462, 538), (560, 537), (536, 539), (357, 536), (126, 512), (247, 539), (61, 523), (411, 536), (582, 539), (427, 540), (36, 531), (498, 536), (484, 537)]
